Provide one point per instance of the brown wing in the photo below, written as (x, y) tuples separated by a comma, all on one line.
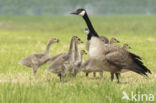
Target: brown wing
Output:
[(118, 58), (38, 56), (123, 59), (55, 57)]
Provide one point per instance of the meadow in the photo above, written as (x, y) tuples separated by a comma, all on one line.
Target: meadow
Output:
[(21, 36)]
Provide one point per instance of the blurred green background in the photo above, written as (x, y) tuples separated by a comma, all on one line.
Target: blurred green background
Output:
[(102, 7), (27, 25)]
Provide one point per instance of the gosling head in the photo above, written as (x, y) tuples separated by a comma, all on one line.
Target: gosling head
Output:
[(114, 40), (54, 40), (80, 12), (83, 52), (126, 46), (103, 39), (77, 39)]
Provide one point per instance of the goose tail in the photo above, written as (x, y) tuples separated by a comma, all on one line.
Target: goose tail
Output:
[(139, 67)]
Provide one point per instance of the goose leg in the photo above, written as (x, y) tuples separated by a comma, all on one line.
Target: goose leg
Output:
[(101, 74), (63, 75), (117, 76), (60, 76), (112, 76), (35, 70), (87, 74), (94, 73)]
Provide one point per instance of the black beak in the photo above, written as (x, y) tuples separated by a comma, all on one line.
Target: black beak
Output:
[(58, 40), (74, 12), (118, 41)]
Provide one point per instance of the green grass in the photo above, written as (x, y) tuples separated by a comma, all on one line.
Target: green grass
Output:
[(24, 35)]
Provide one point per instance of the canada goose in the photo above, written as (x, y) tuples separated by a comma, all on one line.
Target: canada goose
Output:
[(78, 63), (87, 32), (73, 67), (36, 60), (82, 52), (62, 63), (105, 40), (77, 55), (113, 40), (77, 58), (110, 57), (52, 59), (126, 46)]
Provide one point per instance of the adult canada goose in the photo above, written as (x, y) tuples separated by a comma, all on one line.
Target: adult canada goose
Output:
[(125, 46), (62, 63), (105, 40), (111, 41), (34, 61), (110, 57)]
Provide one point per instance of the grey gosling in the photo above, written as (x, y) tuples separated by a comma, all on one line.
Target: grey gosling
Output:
[(78, 63), (62, 63), (36, 60)]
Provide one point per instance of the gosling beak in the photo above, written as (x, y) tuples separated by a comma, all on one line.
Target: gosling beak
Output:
[(118, 41), (58, 41), (82, 42), (74, 13), (130, 47)]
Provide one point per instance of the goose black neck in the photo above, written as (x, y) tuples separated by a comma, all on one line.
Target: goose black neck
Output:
[(90, 26)]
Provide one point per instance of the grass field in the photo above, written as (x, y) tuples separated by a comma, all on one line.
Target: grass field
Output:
[(24, 35)]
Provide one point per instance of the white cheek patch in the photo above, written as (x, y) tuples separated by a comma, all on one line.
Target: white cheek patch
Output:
[(82, 13)]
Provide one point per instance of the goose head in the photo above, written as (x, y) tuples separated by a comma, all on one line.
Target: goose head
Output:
[(78, 40), (114, 40), (83, 52), (54, 40), (126, 46), (80, 12)]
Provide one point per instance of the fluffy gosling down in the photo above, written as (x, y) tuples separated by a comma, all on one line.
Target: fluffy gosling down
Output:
[(36, 60)]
